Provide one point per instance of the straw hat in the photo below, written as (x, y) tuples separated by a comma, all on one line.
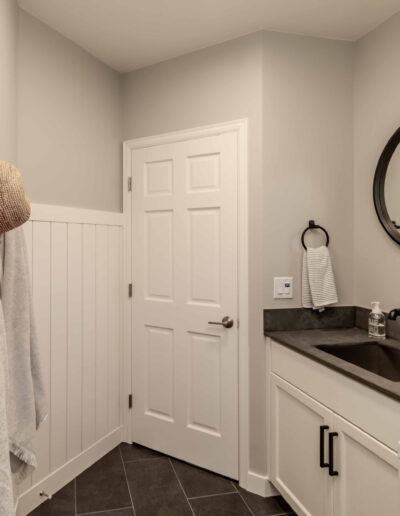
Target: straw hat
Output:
[(14, 203)]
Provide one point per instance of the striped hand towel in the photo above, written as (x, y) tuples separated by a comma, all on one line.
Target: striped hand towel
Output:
[(318, 282)]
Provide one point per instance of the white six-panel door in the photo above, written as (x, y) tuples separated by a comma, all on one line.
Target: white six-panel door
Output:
[(184, 248)]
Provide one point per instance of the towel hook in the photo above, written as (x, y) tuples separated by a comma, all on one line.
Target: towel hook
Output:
[(43, 494), (313, 225)]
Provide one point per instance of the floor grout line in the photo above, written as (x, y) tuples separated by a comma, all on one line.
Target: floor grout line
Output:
[(243, 500), (181, 486), (127, 483), (143, 460), (211, 495), (103, 511)]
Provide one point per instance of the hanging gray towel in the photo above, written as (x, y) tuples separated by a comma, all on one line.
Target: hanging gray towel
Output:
[(318, 282), (6, 486), (26, 401)]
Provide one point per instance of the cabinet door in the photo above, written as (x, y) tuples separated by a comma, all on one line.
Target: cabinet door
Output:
[(296, 421), (368, 474)]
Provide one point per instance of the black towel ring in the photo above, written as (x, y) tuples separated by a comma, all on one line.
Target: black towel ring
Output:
[(313, 225)]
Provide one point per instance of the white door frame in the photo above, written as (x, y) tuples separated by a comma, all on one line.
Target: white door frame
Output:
[(240, 128)]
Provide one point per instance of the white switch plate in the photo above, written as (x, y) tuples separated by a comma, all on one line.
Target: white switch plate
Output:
[(283, 287)]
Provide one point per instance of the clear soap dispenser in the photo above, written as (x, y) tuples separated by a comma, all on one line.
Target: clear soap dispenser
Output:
[(376, 322)]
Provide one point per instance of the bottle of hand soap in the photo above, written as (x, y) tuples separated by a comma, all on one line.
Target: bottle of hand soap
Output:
[(376, 322)]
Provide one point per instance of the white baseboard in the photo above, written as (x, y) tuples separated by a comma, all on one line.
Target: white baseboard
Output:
[(260, 485), (62, 476)]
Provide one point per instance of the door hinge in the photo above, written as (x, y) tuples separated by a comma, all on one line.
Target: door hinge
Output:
[(130, 401), (129, 184), (130, 289)]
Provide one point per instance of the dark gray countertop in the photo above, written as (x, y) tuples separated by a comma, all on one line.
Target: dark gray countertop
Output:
[(304, 342)]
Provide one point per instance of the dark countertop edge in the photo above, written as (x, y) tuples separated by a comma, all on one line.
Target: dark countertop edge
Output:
[(339, 367)]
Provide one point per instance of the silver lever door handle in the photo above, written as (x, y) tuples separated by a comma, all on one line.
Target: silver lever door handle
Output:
[(226, 322)]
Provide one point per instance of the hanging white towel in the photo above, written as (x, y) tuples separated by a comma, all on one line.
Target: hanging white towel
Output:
[(26, 400), (318, 282), (6, 484)]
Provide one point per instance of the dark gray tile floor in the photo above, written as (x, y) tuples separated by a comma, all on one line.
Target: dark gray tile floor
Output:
[(135, 481)]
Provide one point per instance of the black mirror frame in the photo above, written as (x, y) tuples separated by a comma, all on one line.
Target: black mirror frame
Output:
[(379, 187)]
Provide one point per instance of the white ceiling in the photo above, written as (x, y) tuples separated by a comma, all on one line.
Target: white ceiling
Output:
[(130, 34)]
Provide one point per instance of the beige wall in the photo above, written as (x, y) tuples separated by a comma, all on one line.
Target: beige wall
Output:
[(69, 122), (8, 80), (217, 84), (297, 95), (377, 116), (308, 157)]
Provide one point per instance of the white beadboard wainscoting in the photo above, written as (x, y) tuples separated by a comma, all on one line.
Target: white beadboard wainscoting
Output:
[(76, 259)]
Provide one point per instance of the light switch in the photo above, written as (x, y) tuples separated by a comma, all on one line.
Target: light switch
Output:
[(283, 288)]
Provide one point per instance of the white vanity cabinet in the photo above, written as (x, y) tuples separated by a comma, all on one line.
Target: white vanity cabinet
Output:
[(368, 480), (296, 422), (323, 462)]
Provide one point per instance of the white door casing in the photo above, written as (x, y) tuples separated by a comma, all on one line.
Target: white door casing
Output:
[(185, 272)]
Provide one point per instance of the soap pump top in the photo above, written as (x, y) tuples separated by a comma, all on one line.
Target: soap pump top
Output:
[(376, 322), (376, 307)]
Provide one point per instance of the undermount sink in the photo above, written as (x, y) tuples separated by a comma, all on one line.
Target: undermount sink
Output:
[(372, 356)]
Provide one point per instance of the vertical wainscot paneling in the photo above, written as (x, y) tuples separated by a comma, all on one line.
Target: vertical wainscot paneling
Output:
[(89, 336), (74, 332), (114, 325), (59, 345), (102, 302), (75, 258)]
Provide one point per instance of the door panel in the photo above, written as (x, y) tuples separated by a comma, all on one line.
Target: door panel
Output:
[(204, 280), (368, 480), (159, 255), (295, 465), (159, 368), (158, 178), (185, 371), (204, 383)]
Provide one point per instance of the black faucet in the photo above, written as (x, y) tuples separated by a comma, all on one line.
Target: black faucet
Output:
[(393, 314)]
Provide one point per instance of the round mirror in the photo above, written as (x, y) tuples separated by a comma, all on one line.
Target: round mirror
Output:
[(387, 187)]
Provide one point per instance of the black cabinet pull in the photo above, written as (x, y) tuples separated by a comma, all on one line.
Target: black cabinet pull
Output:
[(332, 471), (322, 463)]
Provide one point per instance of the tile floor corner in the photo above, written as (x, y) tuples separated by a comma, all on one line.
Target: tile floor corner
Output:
[(134, 481)]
